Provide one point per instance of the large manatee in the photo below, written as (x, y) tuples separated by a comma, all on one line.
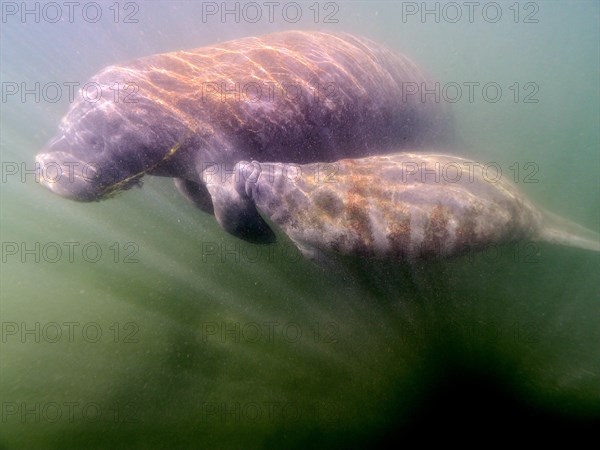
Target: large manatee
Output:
[(288, 97), (402, 206)]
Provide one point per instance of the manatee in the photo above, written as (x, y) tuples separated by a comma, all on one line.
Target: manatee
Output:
[(293, 96), (402, 206)]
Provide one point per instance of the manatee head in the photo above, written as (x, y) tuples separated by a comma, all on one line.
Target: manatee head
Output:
[(105, 146)]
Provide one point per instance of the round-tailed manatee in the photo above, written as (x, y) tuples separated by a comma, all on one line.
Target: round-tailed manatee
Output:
[(288, 97), (401, 206)]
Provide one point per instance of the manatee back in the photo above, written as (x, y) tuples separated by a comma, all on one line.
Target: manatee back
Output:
[(289, 97)]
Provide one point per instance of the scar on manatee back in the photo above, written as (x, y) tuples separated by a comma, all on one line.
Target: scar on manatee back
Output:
[(329, 203)]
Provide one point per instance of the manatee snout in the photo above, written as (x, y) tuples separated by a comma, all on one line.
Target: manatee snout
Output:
[(70, 176), (63, 173)]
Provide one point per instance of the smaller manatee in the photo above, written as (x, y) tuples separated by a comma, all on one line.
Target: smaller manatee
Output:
[(398, 206)]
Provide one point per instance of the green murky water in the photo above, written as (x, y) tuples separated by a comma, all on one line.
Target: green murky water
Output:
[(178, 334)]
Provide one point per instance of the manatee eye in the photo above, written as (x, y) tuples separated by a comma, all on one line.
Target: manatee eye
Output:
[(95, 143)]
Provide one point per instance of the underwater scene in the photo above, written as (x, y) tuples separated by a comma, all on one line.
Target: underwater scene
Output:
[(309, 224)]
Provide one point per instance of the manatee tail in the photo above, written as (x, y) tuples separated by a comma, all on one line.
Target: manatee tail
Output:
[(559, 230)]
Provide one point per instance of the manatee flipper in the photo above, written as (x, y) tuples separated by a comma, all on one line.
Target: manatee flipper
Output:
[(236, 212), (195, 193)]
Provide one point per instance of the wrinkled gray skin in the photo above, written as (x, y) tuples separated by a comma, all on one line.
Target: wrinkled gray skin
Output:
[(175, 128), (402, 206)]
